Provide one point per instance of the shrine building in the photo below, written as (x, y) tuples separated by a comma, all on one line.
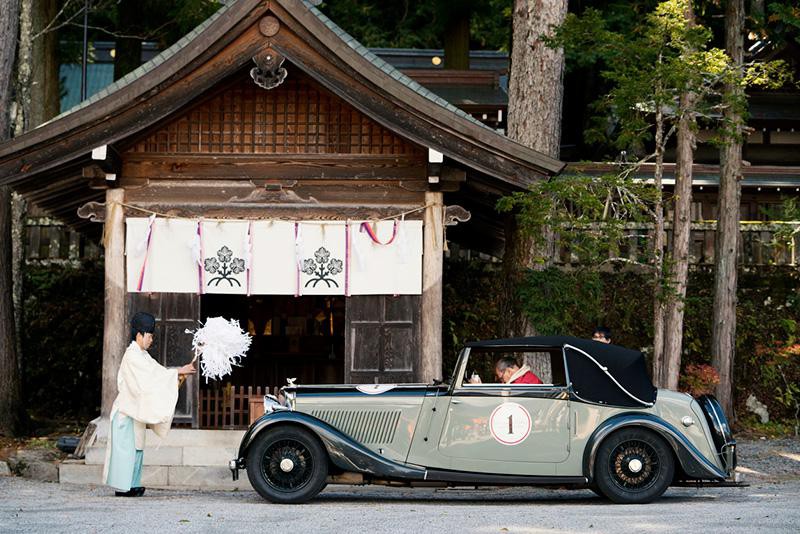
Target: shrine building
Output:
[(270, 169)]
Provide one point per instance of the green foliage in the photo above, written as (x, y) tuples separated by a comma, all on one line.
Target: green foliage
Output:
[(62, 340), (421, 23), (491, 28), (782, 23), (788, 222), (409, 24), (590, 213), (649, 63), (555, 300), (470, 306)]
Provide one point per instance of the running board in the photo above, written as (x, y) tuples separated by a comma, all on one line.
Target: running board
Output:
[(488, 479)]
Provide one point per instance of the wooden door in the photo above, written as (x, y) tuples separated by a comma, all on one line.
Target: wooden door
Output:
[(172, 347), (382, 339)]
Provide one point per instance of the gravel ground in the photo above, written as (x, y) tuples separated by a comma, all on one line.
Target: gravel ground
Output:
[(769, 504), (769, 460)]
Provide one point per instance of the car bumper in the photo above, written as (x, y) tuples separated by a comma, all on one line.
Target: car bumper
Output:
[(234, 465), (728, 456)]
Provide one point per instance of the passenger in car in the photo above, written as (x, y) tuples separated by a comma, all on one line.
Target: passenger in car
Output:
[(602, 334), (508, 371)]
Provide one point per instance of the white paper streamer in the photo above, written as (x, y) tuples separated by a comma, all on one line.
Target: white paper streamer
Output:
[(220, 344), (403, 249), (194, 246), (141, 248)]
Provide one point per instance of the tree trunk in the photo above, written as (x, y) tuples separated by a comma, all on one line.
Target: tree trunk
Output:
[(19, 209), (681, 233), (23, 86), (10, 401), (658, 255), (456, 37), (10, 398), (44, 79), (681, 230), (516, 260), (723, 336), (9, 22), (536, 86), (536, 93)]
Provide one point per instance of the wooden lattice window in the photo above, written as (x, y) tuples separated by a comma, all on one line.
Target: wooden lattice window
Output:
[(299, 117)]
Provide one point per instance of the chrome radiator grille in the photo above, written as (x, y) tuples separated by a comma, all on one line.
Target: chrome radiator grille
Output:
[(364, 426)]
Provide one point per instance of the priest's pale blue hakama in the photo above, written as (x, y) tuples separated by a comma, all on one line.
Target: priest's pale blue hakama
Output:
[(147, 394), (125, 462)]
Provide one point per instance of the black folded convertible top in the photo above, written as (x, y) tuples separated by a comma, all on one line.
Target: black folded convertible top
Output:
[(599, 372)]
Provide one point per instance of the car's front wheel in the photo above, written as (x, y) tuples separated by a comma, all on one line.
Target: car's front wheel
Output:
[(287, 465), (633, 466)]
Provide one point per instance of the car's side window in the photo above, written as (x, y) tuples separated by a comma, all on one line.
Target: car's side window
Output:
[(514, 369)]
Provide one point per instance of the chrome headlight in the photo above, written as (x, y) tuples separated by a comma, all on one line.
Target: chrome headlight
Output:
[(290, 397), (271, 404)]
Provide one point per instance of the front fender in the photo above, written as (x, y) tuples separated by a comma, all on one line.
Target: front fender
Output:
[(694, 464), (344, 452)]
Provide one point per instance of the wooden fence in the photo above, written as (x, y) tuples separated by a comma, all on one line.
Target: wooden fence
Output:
[(48, 241), (228, 407), (757, 246)]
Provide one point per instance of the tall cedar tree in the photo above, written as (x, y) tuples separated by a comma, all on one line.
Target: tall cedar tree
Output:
[(726, 245), (10, 401), (535, 96)]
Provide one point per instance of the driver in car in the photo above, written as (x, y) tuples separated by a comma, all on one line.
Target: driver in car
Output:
[(508, 371)]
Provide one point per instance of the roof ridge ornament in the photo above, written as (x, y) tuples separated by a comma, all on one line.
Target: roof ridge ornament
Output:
[(269, 73)]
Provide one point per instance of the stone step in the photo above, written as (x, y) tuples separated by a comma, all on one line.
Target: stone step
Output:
[(189, 456), (182, 437), (173, 476)]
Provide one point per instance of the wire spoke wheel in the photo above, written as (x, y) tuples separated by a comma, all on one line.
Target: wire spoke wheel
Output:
[(635, 465), (287, 465)]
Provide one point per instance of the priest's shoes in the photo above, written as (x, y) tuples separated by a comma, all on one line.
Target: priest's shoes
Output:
[(133, 492)]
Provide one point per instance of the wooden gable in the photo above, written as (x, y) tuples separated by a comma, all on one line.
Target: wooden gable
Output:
[(297, 117)]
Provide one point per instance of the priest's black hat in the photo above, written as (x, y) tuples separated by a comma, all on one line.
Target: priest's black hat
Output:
[(142, 323)]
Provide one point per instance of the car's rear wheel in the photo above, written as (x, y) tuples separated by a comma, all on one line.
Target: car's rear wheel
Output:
[(633, 466), (287, 465)]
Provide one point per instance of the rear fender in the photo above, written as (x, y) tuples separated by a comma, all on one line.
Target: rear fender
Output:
[(693, 462), (344, 452)]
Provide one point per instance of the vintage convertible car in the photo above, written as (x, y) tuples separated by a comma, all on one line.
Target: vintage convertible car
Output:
[(597, 422)]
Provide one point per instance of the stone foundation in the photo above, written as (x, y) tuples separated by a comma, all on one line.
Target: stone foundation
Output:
[(186, 459)]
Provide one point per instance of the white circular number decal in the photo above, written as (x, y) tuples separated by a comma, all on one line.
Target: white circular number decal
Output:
[(510, 423)]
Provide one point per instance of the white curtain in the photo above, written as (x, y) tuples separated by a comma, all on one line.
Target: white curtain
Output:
[(274, 257)]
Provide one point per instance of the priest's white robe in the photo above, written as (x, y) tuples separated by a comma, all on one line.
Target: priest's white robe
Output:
[(147, 395)]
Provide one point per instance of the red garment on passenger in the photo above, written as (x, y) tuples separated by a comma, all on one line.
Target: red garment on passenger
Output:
[(527, 378)]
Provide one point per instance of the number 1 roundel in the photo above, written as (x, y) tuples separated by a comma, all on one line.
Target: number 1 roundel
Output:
[(510, 423)]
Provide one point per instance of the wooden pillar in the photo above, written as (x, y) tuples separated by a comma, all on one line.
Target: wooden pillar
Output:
[(115, 338), (431, 315)]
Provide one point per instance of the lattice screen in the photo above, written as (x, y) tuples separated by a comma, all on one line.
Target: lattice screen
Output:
[(299, 117)]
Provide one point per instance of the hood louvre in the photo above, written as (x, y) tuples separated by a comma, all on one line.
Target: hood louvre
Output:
[(364, 426)]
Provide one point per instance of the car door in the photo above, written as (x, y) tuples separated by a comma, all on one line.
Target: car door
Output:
[(506, 428)]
